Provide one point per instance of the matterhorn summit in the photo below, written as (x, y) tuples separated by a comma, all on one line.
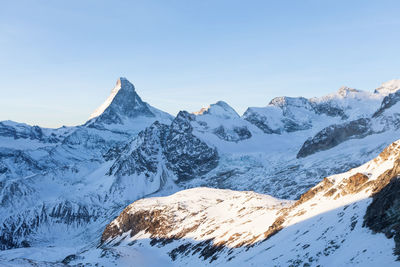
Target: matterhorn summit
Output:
[(111, 97), (122, 103), (124, 110)]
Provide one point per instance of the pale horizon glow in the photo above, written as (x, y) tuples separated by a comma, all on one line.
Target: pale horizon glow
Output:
[(60, 60)]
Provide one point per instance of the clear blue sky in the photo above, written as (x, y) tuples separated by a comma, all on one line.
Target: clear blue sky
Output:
[(60, 59)]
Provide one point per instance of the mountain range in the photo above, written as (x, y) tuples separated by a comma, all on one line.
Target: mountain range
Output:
[(300, 182)]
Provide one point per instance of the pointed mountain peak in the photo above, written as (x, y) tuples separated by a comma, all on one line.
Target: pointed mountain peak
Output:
[(220, 109), (122, 102), (123, 83)]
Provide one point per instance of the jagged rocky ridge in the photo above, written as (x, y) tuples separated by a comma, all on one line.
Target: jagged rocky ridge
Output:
[(171, 147), (335, 134)]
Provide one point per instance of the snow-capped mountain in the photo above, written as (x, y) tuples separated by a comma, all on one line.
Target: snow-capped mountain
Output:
[(124, 110), (59, 188), (290, 114), (342, 221)]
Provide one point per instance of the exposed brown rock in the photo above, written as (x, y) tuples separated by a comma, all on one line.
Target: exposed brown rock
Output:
[(330, 193), (323, 186), (154, 222), (276, 226), (354, 184), (385, 154)]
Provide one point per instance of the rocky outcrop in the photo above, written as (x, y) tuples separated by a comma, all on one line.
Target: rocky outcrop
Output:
[(143, 157), (329, 110), (278, 223), (155, 222), (283, 114), (383, 214), (235, 135), (354, 184), (186, 154), (389, 101), (175, 146), (335, 134), (260, 121)]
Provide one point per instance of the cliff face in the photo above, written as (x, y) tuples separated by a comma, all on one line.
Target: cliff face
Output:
[(383, 215)]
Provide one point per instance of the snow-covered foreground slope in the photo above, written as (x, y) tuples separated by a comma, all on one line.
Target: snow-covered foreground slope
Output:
[(328, 226), (229, 218)]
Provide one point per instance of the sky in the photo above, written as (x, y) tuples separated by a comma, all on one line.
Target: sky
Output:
[(59, 60)]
